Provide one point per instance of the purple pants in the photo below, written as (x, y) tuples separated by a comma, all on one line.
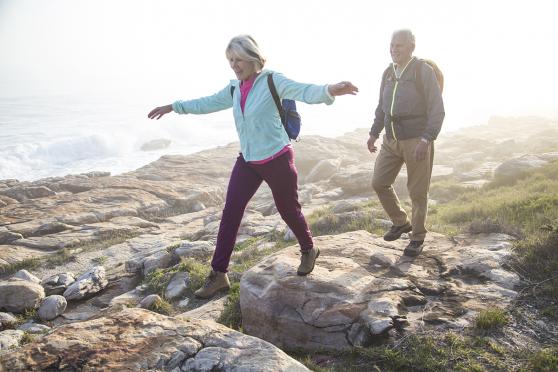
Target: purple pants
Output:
[(281, 176)]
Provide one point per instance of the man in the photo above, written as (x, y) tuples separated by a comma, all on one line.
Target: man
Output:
[(411, 110)]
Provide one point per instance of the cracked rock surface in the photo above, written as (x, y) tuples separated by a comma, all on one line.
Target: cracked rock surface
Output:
[(362, 287), (137, 339)]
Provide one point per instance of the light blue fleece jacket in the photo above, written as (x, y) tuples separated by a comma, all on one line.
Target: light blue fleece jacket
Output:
[(259, 128)]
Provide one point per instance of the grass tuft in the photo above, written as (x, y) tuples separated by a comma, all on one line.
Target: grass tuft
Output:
[(491, 319), (231, 315)]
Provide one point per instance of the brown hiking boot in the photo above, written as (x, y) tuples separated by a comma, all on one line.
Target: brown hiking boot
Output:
[(307, 261), (215, 282), (395, 232), (414, 248)]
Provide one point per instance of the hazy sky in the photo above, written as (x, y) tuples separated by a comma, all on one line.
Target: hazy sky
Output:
[(497, 56)]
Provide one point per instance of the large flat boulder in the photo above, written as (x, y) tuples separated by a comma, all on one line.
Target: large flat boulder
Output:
[(363, 287), (137, 339)]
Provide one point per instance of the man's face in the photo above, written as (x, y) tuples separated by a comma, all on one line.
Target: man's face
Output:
[(401, 49)]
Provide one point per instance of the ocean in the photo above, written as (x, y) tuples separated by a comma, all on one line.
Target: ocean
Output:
[(54, 135)]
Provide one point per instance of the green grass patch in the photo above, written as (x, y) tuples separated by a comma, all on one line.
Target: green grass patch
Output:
[(26, 316), (198, 272), (231, 315), (158, 280), (161, 306), (325, 222), (491, 319), (536, 258), (442, 352), (545, 360)]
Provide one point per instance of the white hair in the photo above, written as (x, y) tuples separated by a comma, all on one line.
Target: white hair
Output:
[(246, 48), (405, 32)]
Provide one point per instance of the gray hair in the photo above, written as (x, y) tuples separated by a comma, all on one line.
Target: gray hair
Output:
[(405, 32), (246, 48)]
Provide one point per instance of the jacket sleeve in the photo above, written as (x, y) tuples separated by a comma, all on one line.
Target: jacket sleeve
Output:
[(434, 104), (221, 100), (307, 93), (379, 117)]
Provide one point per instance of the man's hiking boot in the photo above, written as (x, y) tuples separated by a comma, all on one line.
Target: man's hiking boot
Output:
[(395, 232), (414, 248), (215, 282), (307, 261)]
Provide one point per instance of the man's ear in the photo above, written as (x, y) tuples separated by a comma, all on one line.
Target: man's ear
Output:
[(412, 47)]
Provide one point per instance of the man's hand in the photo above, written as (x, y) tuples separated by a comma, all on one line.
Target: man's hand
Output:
[(371, 144), (342, 88), (421, 150), (158, 112)]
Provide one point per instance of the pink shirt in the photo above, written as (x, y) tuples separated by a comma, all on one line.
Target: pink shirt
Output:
[(245, 87)]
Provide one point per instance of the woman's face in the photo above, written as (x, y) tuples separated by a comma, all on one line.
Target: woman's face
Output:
[(243, 69)]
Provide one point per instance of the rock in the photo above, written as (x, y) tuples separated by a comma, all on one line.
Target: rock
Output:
[(159, 260), (156, 144), (323, 170), (148, 301), (52, 306), (210, 311), (516, 167), (130, 298), (197, 249), (362, 287), (26, 275), (346, 206), (354, 181), (58, 283), (21, 193), (18, 295), (10, 339), (34, 328), (87, 284), (136, 339), (177, 286), (289, 235), (7, 320), (8, 236)]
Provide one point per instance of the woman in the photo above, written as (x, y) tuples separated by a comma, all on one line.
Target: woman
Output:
[(266, 152)]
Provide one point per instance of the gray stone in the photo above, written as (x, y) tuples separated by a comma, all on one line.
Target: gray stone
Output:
[(18, 295), (159, 260), (148, 301), (177, 286), (10, 339), (197, 249), (52, 306), (7, 320), (26, 275), (56, 284), (87, 284), (34, 328)]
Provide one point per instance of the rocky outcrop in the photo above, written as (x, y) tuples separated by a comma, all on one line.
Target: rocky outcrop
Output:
[(362, 287), (136, 339), (18, 295), (87, 284)]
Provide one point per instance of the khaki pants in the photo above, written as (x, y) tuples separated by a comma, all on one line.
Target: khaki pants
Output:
[(388, 164)]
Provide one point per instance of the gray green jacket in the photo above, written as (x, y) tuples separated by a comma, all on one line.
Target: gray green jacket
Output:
[(404, 111)]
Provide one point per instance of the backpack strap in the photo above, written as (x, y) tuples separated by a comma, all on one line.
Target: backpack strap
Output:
[(232, 90), (277, 100), (418, 78)]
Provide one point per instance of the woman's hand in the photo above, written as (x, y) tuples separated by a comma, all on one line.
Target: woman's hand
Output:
[(344, 87), (158, 112)]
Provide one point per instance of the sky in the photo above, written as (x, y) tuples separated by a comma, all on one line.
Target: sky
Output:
[(497, 56)]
